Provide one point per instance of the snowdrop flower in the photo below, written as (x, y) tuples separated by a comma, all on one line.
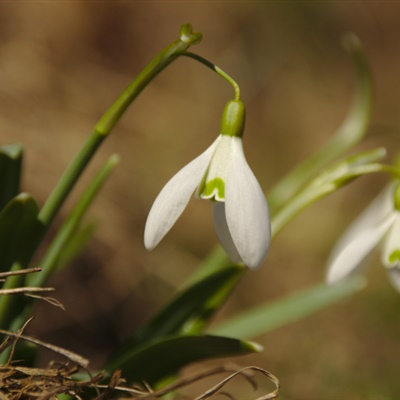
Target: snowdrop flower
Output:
[(222, 175), (379, 222)]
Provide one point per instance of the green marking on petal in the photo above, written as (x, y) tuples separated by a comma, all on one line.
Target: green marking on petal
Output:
[(394, 257), (214, 188)]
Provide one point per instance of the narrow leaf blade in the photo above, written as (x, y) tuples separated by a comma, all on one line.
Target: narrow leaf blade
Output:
[(165, 357), (75, 245), (10, 172), (189, 311), (17, 222), (349, 133), (271, 316), (70, 228)]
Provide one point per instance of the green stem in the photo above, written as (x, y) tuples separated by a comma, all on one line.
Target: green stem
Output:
[(10, 304), (68, 180), (216, 69), (104, 126), (311, 194), (349, 133), (71, 224), (109, 120), (328, 181), (51, 258)]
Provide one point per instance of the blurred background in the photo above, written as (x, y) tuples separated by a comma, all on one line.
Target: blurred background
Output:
[(62, 63)]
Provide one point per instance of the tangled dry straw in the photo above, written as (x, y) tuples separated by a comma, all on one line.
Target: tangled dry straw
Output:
[(73, 378), (35, 383)]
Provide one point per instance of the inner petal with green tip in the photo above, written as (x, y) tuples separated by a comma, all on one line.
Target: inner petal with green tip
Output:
[(212, 186), (213, 189), (394, 257)]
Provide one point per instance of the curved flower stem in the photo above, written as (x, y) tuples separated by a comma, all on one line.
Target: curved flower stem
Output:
[(110, 118), (101, 130), (281, 197), (215, 68)]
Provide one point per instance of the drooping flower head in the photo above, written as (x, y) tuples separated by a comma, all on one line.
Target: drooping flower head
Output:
[(220, 174), (380, 222)]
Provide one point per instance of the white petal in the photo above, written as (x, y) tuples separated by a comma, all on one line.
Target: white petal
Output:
[(394, 275), (218, 167), (392, 244), (356, 251), (372, 216), (246, 210), (222, 230), (174, 197)]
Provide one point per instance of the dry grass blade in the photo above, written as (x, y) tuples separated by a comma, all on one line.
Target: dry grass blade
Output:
[(13, 341), (6, 343), (26, 383), (81, 361), (6, 274), (50, 300), (247, 373), (25, 290), (114, 382), (42, 384), (270, 396)]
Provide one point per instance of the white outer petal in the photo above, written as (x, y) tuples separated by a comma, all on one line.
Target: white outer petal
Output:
[(246, 209), (174, 197), (392, 243), (223, 233), (394, 275), (355, 252), (372, 216)]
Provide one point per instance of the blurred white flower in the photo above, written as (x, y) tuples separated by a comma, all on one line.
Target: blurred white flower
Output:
[(380, 222), (222, 175)]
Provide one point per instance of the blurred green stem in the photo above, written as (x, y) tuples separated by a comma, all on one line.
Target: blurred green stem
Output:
[(349, 133), (216, 69), (329, 181), (326, 182), (101, 130), (71, 224), (286, 196), (49, 262), (269, 316)]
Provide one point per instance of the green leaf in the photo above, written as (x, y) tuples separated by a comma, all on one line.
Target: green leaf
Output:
[(328, 181), (19, 236), (70, 227), (10, 172), (270, 316), (165, 357), (18, 220), (76, 244), (189, 311)]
